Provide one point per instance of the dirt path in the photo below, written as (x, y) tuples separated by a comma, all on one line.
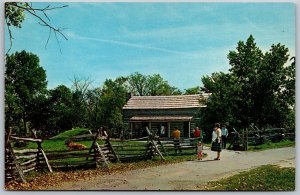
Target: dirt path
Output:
[(186, 175)]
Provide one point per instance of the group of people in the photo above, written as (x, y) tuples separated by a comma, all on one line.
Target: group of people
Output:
[(219, 139), (196, 134)]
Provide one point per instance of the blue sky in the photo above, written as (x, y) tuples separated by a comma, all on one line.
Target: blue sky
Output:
[(180, 41)]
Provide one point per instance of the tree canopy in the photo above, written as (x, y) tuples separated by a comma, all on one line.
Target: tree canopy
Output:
[(259, 88), (150, 85), (25, 82)]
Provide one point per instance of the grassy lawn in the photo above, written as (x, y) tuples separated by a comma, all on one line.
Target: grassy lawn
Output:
[(264, 178), (271, 145)]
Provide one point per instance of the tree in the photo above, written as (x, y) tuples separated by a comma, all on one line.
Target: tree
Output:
[(137, 83), (156, 85), (112, 100), (94, 115), (15, 15), (25, 82), (258, 90), (80, 91), (222, 105), (193, 90), (150, 85), (61, 115), (245, 62), (264, 80)]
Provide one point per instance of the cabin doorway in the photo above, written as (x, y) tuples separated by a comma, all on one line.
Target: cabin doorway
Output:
[(186, 129)]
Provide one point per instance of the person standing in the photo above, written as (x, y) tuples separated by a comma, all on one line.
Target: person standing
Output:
[(216, 140), (197, 133), (176, 136), (199, 150), (224, 136)]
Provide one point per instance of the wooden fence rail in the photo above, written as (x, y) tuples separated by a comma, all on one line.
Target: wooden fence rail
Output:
[(19, 162)]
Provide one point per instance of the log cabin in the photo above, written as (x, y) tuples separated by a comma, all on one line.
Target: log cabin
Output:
[(161, 114)]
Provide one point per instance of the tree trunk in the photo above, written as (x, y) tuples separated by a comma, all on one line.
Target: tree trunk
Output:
[(24, 124)]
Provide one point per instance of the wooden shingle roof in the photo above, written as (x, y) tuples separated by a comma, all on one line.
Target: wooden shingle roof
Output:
[(164, 102), (161, 118)]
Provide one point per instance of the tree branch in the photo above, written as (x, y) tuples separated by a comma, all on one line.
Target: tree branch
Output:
[(10, 36), (34, 12), (46, 24)]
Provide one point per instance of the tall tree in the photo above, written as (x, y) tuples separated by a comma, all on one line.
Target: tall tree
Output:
[(112, 100), (80, 90), (60, 104), (94, 115), (25, 81), (222, 105), (137, 83), (156, 85), (153, 85), (259, 88), (245, 62)]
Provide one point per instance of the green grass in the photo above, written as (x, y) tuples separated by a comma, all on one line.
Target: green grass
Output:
[(70, 133), (264, 178), (271, 145)]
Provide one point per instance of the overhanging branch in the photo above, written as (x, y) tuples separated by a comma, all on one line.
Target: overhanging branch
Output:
[(36, 13)]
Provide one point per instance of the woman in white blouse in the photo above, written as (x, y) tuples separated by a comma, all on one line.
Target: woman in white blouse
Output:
[(216, 140)]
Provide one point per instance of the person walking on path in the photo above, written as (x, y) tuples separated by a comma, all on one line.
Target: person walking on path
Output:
[(224, 136), (216, 140)]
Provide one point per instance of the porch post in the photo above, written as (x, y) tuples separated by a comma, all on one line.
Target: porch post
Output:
[(189, 129), (169, 129)]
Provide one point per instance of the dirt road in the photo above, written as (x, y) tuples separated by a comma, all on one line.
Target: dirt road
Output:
[(186, 175)]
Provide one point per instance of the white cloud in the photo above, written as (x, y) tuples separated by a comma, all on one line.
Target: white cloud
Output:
[(124, 43)]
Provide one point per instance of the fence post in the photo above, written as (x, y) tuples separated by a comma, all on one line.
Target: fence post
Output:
[(246, 148), (18, 167), (38, 160)]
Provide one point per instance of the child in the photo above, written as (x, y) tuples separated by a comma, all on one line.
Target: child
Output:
[(199, 150)]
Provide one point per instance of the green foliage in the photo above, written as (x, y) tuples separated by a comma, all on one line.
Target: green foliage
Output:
[(259, 89), (137, 83), (156, 85), (223, 103), (25, 83), (264, 178), (113, 98), (150, 85), (193, 90), (60, 102), (14, 15)]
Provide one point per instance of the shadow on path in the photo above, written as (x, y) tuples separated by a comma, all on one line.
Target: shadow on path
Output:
[(196, 161)]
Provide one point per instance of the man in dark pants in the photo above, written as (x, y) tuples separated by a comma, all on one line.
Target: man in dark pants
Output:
[(224, 134)]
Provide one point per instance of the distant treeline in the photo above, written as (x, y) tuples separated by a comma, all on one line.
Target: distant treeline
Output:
[(259, 89)]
